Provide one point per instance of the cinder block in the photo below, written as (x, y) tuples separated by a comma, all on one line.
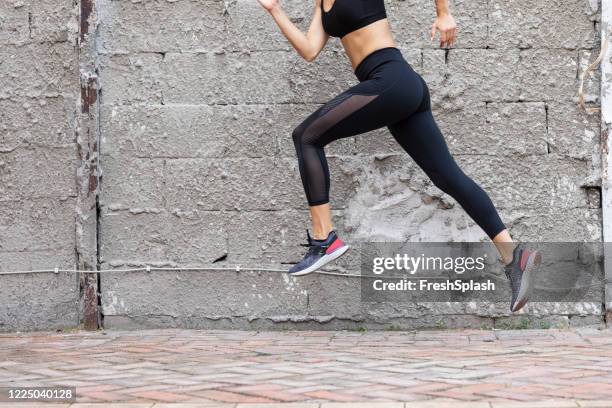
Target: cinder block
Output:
[(514, 128), (44, 122), (411, 23), (36, 225), (39, 172), (466, 130), (39, 301), (36, 70), (129, 79), (478, 75), (320, 81), (277, 238), (525, 24), (161, 26), (250, 27), (198, 131), (30, 21), (14, 27), (413, 56), (460, 78), (531, 181), (233, 184), (336, 296), (266, 237), (189, 298), (36, 259), (253, 130), (548, 75), (174, 238), (156, 131), (138, 185), (573, 132), (555, 224), (228, 78), (198, 183)]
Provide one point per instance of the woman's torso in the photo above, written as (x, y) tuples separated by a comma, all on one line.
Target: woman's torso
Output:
[(361, 25)]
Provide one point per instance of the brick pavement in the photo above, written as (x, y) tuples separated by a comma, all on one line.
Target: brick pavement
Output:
[(180, 368)]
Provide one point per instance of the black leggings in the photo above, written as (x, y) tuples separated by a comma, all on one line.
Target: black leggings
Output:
[(392, 94)]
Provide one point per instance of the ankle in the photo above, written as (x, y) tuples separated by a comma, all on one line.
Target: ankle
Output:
[(508, 256), (320, 234), (506, 252)]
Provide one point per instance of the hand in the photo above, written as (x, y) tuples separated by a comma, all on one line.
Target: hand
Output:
[(269, 5), (448, 30)]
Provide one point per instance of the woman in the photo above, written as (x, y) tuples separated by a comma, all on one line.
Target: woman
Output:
[(390, 93)]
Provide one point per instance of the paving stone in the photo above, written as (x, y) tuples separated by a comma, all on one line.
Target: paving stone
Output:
[(527, 368)]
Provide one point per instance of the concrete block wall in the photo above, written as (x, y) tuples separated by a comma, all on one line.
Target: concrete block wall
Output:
[(198, 102), (196, 106), (39, 89)]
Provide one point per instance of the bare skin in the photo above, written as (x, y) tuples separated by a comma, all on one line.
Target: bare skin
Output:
[(358, 44)]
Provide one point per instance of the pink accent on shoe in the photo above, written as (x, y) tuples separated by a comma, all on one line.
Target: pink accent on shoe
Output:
[(336, 244), (524, 258)]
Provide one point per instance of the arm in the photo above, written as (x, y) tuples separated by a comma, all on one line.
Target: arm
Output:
[(445, 23), (308, 45)]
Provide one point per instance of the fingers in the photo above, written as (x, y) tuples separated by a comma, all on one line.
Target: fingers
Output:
[(453, 40), (448, 38), (444, 38)]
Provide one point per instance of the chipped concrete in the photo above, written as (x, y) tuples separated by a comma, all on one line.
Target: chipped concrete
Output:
[(175, 120)]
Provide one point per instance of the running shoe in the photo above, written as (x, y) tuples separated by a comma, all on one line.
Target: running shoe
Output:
[(521, 273), (319, 254)]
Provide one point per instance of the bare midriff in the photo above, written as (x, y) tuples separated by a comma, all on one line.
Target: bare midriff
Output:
[(361, 43)]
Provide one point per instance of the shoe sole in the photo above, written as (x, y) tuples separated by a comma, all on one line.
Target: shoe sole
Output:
[(534, 261), (325, 259)]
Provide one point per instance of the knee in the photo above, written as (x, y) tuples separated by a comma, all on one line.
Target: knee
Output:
[(451, 180), (456, 184), (441, 181), (298, 134)]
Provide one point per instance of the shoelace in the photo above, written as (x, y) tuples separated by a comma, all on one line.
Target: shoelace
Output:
[(312, 250)]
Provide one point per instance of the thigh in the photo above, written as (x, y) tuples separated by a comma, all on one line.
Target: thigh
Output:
[(360, 109)]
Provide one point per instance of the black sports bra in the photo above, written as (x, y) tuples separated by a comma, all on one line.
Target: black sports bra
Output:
[(346, 16)]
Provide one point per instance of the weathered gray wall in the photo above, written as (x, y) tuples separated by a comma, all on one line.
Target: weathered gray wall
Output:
[(38, 104), (197, 103)]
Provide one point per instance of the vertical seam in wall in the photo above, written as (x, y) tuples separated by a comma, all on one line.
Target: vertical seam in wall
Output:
[(98, 136), (606, 72), (98, 168), (546, 118), (87, 134)]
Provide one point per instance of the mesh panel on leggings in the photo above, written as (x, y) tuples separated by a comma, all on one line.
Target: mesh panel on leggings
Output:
[(311, 156), (334, 102), (341, 107)]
